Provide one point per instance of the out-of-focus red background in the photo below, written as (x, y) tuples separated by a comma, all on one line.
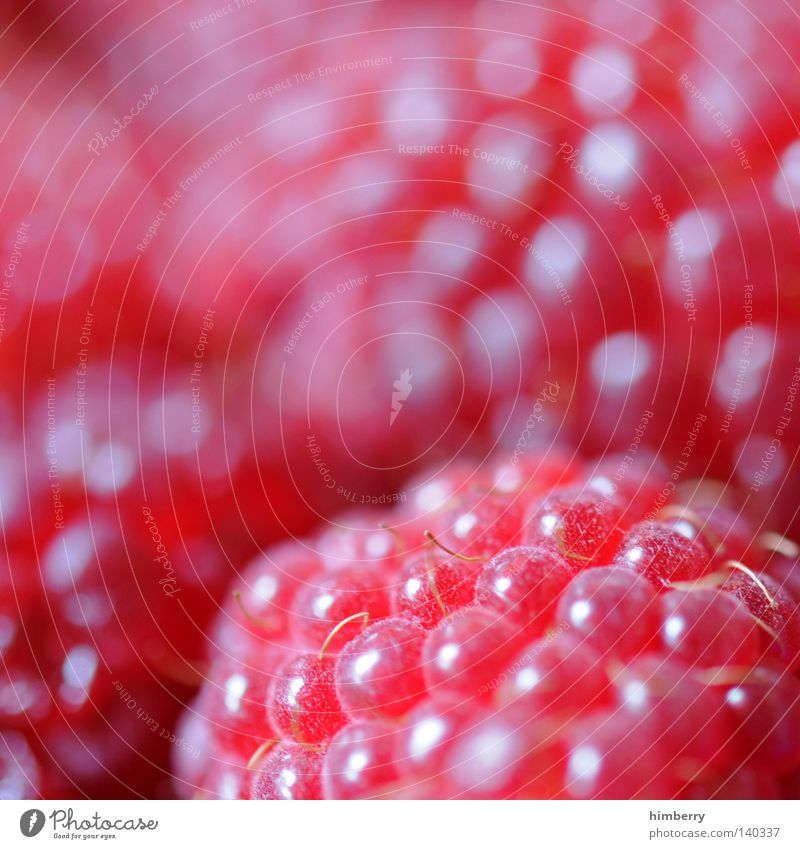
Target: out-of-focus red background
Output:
[(230, 232)]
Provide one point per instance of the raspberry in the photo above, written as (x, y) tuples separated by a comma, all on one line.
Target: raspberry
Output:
[(662, 554), (289, 771), (503, 754), (523, 583), (236, 709), (352, 595), (727, 534), (555, 675), (595, 330), (379, 673), (431, 587), (667, 674), (270, 586), (302, 704), (463, 654), (582, 526), (359, 763), (774, 607), (609, 758), (708, 627), (661, 698), (306, 200), (612, 609), (421, 744), (765, 705), (475, 531)]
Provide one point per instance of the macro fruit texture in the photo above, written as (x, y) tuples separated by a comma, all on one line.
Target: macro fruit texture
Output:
[(631, 657), (587, 218), (260, 269)]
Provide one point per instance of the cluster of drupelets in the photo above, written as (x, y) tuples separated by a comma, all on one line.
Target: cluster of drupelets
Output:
[(528, 633)]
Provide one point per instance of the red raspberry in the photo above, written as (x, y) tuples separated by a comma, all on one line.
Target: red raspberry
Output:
[(463, 654), (765, 705), (558, 674), (662, 554), (432, 585), (584, 312), (379, 673), (353, 595), (774, 607), (584, 526), (553, 678), (523, 583), (289, 771), (708, 627), (610, 758), (359, 763), (612, 609), (611, 254), (302, 704)]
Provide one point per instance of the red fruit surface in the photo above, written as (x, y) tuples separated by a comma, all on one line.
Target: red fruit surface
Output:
[(240, 298), (289, 771), (708, 627), (775, 607), (379, 672), (608, 758), (348, 592), (671, 706), (523, 584), (462, 656), (662, 554), (611, 609), (557, 679), (432, 586), (765, 706), (359, 763), (302, 703), (583, 526), (503, 754), (558, 675)]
